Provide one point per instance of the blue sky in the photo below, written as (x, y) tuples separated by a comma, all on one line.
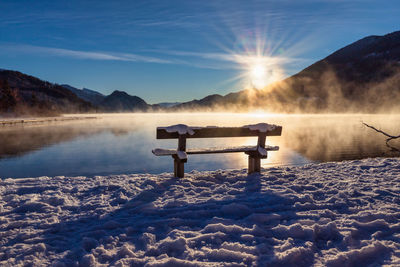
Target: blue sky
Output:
[(179, 50)]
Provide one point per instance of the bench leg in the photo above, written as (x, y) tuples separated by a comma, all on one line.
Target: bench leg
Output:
[(179, 168), (254, 165)]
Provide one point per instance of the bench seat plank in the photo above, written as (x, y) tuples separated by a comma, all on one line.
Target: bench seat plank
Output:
[(229, 149), (215, 150)]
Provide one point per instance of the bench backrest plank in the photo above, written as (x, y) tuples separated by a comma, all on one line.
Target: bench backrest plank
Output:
[(211, 132)]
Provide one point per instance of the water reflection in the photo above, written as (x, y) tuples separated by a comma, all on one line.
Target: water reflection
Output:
[(116, 144), (21, 139), (340, 138)]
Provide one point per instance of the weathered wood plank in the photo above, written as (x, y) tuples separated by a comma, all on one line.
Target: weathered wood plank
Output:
[(229, 150), (215, 150), (217, 132)]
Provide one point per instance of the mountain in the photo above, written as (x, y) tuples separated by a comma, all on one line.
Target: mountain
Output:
[(361, 77), (239, 101), (120, 101), (168, 104), (88, 95), (22, 94), (210, 101), (25, 94)]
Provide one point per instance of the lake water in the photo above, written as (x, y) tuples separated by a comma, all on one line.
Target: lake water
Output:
[(122, 143)]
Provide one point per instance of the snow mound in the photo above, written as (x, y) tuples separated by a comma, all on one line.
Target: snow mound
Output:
[(331, 214), (180, 129), (261, 127)]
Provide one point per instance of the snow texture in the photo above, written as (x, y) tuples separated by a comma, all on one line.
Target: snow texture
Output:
[(261, 127), (181, 154), (184, 129), (164, 152), (169, 152), (330, 214), (180, 129), (261, 150)]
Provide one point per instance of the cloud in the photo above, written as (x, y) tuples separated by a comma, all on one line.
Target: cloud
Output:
[(84, 54), (116, 56), (204, 60)]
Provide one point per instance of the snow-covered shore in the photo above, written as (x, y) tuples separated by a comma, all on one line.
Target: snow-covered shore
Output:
[(330, 214)]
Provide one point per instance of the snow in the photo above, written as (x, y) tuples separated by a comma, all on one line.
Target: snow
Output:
[(164, 152), (181, 154), (261, 127), (329, 214), (169, 152), (261, 150), (179, 128), (184, 129)]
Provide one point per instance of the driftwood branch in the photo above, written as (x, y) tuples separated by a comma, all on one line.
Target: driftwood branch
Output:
[(389, 137)]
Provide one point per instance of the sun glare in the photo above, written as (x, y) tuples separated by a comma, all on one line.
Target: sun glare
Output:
[(260, 61), (258, 75), (258, 71)]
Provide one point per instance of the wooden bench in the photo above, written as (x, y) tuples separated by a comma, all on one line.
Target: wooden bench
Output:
[(183, 132)]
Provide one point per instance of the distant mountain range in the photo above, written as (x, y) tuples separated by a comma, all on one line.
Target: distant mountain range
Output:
[(21, 94), (361, 77), (88, 95), (117, 101), (168, 104)]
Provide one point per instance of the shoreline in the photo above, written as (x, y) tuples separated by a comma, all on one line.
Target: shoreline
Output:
[(13, 121), (325, 214)]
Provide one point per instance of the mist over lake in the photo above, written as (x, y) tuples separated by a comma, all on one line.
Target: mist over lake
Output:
[(122, 143)]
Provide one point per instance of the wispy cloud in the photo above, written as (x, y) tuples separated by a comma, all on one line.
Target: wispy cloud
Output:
[(127, 57), (84, 54), (205, 60)]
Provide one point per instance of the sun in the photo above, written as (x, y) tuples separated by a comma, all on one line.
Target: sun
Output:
[(259, 65), (258, 75), (258, 71)]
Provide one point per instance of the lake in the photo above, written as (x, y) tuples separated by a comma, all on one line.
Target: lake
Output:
[(122, 143)]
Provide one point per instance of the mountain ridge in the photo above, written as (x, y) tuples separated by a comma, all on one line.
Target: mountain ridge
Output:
[(89, 95), (120, 101), (24, 94)]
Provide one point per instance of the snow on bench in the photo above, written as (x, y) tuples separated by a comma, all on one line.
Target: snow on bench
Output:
[(182, 132), (174, 131), (214, 150)]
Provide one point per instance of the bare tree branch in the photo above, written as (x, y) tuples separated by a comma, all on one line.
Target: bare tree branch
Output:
[(390, 137)]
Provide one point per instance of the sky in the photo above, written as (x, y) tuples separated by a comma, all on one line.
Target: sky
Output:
[(167, 51)]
